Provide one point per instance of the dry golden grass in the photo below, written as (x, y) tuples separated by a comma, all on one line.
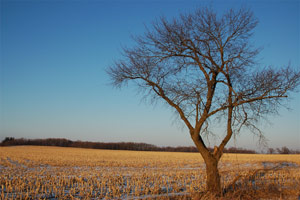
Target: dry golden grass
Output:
[(32, 172)]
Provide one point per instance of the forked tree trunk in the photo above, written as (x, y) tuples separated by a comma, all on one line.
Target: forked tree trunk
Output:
[(213, 181)]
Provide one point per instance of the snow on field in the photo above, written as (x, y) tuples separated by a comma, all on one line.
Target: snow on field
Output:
[(55, 173)]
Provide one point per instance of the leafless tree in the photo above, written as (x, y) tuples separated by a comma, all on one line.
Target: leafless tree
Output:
[(203, 66), (271, 150), (283, 150)]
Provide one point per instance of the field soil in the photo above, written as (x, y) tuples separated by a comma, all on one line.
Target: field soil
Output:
[(36, 172)]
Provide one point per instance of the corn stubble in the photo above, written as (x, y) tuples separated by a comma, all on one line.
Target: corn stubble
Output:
[(31, 172)]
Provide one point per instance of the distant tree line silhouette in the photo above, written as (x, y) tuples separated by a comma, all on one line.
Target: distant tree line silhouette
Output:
[(62, 142), (283, 150)]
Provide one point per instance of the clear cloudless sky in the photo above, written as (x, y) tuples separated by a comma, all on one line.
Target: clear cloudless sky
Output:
[(54, 55)]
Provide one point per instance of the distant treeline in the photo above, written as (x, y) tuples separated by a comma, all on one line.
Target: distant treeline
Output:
[(283, 150), (62, 142)]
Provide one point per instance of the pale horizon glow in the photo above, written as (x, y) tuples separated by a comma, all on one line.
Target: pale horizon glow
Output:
[(54, 55)]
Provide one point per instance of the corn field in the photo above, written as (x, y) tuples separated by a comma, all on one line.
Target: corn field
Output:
[(32, 172)]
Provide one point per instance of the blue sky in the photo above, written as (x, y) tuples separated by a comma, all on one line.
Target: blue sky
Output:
[(54, 55)]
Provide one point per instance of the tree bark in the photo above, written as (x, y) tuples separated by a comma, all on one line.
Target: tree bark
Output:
[(213, 181)]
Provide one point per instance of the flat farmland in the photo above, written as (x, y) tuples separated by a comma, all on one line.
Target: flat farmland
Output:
[(36, 172)]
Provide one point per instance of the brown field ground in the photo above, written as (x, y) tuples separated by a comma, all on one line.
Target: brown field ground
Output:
[(35, 172)]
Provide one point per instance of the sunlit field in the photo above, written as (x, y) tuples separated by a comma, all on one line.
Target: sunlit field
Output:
[(33, 172)]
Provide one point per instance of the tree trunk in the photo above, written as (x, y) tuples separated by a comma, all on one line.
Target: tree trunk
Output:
[(213, 181)]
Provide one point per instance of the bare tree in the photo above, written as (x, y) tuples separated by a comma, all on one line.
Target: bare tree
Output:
[(283, 150), (271, 150), (203, 66)]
